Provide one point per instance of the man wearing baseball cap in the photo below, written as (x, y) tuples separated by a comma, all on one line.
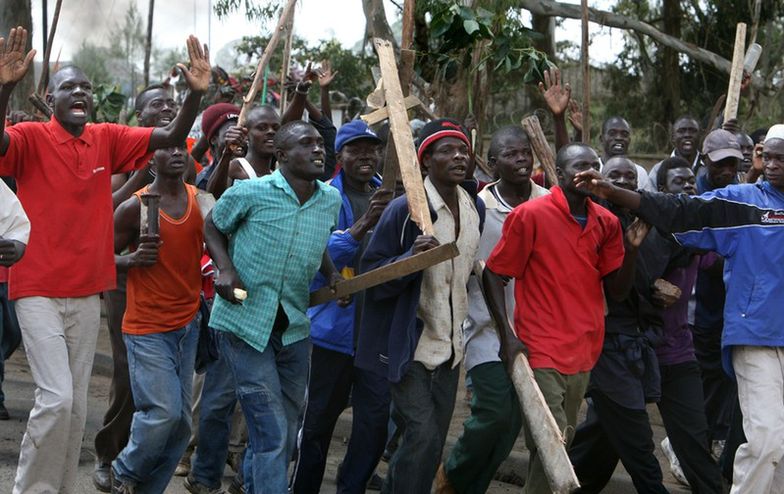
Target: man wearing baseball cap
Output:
[(217, 124), (745, 224), (333, 376), (411, 327), (721, 155)]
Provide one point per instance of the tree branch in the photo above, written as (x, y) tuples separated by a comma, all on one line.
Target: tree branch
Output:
[(604, 18)]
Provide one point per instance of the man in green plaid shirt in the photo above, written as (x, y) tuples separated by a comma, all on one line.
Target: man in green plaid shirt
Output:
[(268, 236)]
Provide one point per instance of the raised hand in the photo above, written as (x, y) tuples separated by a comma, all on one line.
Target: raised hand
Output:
[(637, 232), (575, 115), (593, 182), (13, 61), (325, 75), (556, 96), (198, 76)]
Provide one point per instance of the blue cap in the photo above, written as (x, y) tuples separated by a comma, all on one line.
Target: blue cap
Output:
[(353, 130)]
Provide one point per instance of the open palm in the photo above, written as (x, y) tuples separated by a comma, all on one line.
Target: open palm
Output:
[(198, 76), (555, 94), (13, 61)]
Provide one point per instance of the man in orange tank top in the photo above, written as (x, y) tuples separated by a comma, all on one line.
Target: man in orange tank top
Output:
[(160, 327)]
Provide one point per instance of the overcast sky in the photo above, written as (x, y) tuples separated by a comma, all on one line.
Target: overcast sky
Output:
[(93, 20)]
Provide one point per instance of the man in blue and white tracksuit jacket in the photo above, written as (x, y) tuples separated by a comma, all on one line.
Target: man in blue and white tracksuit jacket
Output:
[(333, 377), (745, 224)]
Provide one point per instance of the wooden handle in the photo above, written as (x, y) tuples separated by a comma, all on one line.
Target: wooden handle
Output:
[(541, 147), (736, 74)]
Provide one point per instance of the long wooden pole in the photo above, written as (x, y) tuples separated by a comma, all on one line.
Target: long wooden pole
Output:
[(48, 52), (586, 64), (148, 43), (736, 74), (247, 103), (284, 69), (541, 147)]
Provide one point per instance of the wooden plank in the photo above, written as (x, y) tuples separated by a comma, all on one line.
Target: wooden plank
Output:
[(382, 114), (391, 271), (284, 68), (403, 140), (586, 65), (541, 147), (736, 74), (288, 11), (544, 429)]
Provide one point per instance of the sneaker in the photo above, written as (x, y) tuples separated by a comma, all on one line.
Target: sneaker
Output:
[(194, 487), (236, 486), (4, 415), (675, 464), (120, 487), (375, 483), (183, 467), (102, 479)]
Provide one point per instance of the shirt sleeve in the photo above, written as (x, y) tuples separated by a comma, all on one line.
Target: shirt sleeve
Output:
[(129, 147), (11, 163), (232, 207), (510, 256), (612, 251), (14, 224)]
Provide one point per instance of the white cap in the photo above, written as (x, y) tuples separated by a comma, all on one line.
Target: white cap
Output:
[(775, 132)]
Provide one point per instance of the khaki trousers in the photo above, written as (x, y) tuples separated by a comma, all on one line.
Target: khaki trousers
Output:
[(758, 467), (59, 336)]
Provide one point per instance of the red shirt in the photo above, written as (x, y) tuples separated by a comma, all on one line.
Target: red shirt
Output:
[(558, 268), (63, 183)]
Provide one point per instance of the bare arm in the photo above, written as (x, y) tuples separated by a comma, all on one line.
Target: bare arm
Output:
[(234, 143), (218, 246), (493, 290), (198, 79), (618, 283), (14, 64), (126, 232), (557, 97), (136, 181)]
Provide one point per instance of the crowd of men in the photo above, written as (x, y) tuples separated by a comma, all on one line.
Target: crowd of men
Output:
[(623, 288)]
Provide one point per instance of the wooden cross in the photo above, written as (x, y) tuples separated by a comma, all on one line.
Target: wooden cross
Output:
[(400, 134)]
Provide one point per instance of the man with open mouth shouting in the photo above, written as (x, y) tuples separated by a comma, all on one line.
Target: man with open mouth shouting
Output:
[(69, 259)]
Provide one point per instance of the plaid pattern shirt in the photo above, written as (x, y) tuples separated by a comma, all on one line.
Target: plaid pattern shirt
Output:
[(276, 246)]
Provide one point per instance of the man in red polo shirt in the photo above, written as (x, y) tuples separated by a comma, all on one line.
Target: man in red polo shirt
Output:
[(560, 249), (63, 170)]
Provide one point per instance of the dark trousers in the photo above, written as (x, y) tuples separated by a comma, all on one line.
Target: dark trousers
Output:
[(682, 412), (331, 376), (370, 399), (488, 434), (113, 436), (720, 391), (10, 334), (612, 432), (735, 437), (424, 402)]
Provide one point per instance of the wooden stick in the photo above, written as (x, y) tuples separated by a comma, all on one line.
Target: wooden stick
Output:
[(382, 114), (586, 63), (288, 11), (38, 102), (391, 271), (544, 430), (736, 74), (541, 147), (42, 83), (284, 71), (403, 140)]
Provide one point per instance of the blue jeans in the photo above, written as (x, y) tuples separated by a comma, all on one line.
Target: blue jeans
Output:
[(10, 334), (161, 371), (271, 388), (218, 399)]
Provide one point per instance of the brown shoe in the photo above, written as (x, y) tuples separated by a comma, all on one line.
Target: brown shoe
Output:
[(442, 482)]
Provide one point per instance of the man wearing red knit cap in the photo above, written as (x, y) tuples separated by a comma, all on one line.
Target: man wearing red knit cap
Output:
[(411, 327)]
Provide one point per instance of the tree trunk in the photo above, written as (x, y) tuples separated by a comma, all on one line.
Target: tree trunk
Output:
[(544, 25), (671, 74), (148, 43), (17, 13), (376, 18)]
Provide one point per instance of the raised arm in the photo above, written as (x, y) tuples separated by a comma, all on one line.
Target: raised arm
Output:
[(235, 142), (13, 67), (557, 97), (618, 283), (198, 79)]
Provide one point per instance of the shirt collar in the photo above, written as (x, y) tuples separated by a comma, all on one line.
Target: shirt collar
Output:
[(590, 207), (62, 136), (435, 199), (279, 181), (488, 195)]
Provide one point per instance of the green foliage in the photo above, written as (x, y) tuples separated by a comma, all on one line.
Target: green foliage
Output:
[(254, 10), (108, 103)]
